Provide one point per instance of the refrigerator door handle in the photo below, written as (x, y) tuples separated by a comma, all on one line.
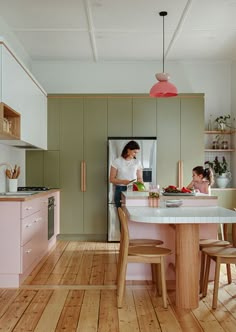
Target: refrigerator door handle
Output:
[(83, 176)]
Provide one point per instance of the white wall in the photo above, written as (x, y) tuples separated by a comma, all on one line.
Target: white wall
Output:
[(211, 78), (12, 156)]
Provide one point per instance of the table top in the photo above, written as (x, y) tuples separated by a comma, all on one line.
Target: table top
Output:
[(145, 194), (181, 215)]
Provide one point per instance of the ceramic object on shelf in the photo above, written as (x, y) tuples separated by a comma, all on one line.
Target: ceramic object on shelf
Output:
[(223, 180)]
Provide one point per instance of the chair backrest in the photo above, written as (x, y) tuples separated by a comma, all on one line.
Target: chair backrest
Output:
[(124, 236)]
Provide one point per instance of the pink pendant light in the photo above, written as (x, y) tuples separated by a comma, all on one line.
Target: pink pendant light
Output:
[(163, 88)]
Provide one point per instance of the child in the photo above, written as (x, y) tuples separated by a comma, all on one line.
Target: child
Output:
[(203, 178)]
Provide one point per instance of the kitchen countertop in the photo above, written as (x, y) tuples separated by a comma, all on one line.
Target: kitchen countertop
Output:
[(22, 198), (145, 194), (181, 215)]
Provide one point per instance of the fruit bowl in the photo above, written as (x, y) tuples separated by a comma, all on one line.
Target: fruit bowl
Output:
[(173, 203)]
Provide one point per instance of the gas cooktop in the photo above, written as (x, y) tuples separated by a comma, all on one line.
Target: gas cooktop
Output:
[(33, 188)]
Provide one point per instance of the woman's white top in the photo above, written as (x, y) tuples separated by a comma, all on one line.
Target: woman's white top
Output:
[(126, 169)]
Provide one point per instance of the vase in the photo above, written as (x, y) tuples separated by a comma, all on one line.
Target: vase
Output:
[(223, 180), (153, 201), (221, 126), (12, 185)]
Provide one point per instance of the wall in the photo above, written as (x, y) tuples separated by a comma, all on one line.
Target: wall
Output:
[(13, 156), (189, 77)]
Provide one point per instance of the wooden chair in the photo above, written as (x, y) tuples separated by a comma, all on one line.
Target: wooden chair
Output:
[(139, 254), (220, 256), (207, 243)]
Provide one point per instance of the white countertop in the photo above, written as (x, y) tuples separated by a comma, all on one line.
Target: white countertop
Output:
[(181, 215), (145, 194)]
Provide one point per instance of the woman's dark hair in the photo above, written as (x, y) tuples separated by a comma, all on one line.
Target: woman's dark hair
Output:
[(131, 145), (207, 173)]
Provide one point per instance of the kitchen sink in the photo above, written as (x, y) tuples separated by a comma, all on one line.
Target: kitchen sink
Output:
[(19, 193)]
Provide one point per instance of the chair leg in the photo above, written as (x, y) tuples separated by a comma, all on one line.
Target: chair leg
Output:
[(216, 283), (206, 276), (163, 282), (202, 270), (229, 273), (159, 279), (121, 284)]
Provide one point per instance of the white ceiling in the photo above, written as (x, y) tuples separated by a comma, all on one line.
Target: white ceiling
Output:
[(123, 30)]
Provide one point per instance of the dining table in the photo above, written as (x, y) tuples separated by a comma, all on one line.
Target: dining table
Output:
[(186, 221)]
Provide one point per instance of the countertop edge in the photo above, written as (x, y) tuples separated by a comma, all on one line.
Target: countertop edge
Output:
[(29, 197)]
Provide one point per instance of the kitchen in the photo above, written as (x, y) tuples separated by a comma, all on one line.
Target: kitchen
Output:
[(191, 77)]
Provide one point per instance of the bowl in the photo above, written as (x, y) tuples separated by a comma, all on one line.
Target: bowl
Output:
[(173, 203)]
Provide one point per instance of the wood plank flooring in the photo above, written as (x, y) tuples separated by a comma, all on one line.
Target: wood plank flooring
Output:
[(74, 289)]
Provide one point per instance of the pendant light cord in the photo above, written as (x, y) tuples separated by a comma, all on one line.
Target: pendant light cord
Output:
[(163, 46)]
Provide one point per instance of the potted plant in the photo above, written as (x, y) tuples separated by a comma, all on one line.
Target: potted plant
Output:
[(221, 170), (222, 121)]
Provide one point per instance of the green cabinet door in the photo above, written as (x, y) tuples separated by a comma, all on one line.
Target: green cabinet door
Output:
[(226, 197), (53, 123), (144, 117), (34, 168), (51, 166), (71, 156), (192, 135), (95, 156), (120, 116), (168, 140)]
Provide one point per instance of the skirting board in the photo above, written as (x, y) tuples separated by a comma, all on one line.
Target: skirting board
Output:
[(83, 237)]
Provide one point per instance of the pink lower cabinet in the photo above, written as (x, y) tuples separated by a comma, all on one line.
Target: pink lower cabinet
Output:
[(23, 239)]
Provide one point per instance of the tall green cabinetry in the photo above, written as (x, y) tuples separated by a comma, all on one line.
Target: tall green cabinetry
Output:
[(180, 134), (78, 128)]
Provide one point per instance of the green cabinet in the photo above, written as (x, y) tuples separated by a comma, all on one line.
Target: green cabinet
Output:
[(144, 117), (119, 116), (192, 135), (226, 197), (180, 127), (168, 140), (78, 128), (95, 157), (71, 155)]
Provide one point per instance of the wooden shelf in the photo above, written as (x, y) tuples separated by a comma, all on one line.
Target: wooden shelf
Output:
[(220, 132), (9, 123), (219, 150)]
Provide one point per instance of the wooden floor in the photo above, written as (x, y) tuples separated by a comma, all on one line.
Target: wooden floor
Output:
[(74, 289)]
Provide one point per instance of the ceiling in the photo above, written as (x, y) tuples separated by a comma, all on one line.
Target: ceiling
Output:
[(123, 30)]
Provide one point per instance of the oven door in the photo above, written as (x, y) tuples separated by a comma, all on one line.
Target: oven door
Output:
[(50, 217)]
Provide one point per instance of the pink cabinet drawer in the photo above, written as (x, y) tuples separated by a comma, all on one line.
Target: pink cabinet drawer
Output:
[(29, 253), (30, 226), (29, 207)]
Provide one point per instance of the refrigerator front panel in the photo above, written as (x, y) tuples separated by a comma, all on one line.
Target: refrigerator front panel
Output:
[(147, 156), (113, 224)]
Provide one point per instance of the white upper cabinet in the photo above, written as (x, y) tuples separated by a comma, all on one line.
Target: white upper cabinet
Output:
[(21, 92)]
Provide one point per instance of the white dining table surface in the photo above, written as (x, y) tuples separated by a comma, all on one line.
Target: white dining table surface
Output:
[(204, 215)]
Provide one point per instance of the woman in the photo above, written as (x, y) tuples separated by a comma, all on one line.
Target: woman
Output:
[(203, 179), (125, 169)]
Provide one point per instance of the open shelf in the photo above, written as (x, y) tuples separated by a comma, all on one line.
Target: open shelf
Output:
[(9, 123), (219, 150)]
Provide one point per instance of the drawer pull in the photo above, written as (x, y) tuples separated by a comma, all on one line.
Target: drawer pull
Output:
[(28, 251), (28, 225), (37, 219), (29, 208)]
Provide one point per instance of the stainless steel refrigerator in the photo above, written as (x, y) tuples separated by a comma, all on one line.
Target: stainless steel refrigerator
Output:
[(147, 156)]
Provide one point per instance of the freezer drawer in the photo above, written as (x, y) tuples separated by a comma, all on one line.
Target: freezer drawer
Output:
[(113, 224)]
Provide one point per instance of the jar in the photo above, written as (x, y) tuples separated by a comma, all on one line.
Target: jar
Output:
[(215, 145), (224, 145)]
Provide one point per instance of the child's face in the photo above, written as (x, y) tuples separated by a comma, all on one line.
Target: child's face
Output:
[(197, 177)]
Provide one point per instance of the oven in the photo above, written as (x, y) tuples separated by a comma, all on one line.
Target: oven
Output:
[(51, 206)]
